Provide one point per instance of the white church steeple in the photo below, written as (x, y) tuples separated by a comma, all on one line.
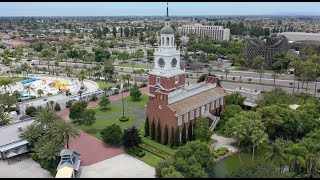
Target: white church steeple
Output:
[(167, 57)]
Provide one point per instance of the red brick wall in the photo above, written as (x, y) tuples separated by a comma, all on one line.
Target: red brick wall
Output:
[(165, 114), (152, 80), (168, 118)]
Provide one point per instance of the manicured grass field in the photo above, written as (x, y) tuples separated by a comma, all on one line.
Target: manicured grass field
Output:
[(102, 84), (111, 109), (138, 104), (148, 158), (104, 122), (143, 66), (15, 79)]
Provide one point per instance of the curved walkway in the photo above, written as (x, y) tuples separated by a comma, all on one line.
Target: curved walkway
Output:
[(92, 149), (224, 142)]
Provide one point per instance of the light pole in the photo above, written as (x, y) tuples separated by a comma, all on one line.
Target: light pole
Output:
[(122, 99)]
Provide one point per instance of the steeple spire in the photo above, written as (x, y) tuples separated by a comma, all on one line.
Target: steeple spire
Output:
[(167, 11), (167, 17)]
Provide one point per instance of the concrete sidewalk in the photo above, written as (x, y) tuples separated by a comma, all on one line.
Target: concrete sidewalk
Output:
[(121, 166), (26, 168), (223, 142)]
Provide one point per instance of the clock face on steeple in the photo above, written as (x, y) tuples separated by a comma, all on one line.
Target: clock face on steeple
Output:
[(161, 62), (174, 62)]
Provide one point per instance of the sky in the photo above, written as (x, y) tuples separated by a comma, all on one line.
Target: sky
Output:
[(156, 8)]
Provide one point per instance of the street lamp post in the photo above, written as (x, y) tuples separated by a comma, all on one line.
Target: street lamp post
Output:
[(122, 100)]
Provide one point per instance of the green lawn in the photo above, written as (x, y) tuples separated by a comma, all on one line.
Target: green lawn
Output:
[(161, 147), (143, 66), (102, 84), (104, 122), (111, 109), (15, 79), (148, 158), (236, 68), (232, 163), (138, 104)]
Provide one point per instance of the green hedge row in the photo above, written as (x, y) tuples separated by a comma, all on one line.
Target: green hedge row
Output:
[(154, 151), (163, 150)]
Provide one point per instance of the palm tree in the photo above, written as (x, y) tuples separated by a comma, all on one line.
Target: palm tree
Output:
[(316, 74), (68, 70), (81, 76), (6, 83), (258, 137), (274, 76), (47, 150), (32, 133), (40, 92), (133, 71), (260, 73), (80, 93), (210, 69), (226, 71), (127, 77), (56, 64), (90, 59), (16, 94), (46, 117), (297, 157), (4, 117), (62, 131), (240, 134), (28, 88), (276, 153)]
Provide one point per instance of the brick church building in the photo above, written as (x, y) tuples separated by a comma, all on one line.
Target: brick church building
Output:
[(171, 100)]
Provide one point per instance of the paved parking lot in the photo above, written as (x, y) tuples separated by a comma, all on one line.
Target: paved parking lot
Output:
[(121, 166), (26, 168)]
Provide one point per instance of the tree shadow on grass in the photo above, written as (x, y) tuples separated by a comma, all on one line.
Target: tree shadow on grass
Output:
[(136, 100), (104, 109)]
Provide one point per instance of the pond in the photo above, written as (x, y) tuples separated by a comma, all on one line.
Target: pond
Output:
[(232, 163)]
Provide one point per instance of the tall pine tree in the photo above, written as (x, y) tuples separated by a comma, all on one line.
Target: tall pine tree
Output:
[(121, 31), (146, 127), (165, 140), (190, 132), (114, 32), (184, 137), (177, 137), (172, 137), (153, 130), (159, 132)]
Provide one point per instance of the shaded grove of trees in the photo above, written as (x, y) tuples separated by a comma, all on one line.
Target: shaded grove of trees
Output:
[(289, 137), (240, 29)]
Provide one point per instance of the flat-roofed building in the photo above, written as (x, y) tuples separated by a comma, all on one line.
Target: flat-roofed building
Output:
[(300, 36), (218, 33), (11, 144)]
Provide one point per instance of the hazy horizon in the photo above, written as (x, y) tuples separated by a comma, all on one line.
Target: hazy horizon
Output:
[(84, 9)]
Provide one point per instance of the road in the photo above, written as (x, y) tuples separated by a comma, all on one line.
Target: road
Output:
[(234, 85)]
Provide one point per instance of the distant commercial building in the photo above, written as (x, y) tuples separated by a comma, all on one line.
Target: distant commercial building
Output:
[(300, 36), (298, 40), (218, 33)]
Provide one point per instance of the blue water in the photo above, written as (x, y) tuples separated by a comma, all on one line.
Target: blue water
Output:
[(27, 81)]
